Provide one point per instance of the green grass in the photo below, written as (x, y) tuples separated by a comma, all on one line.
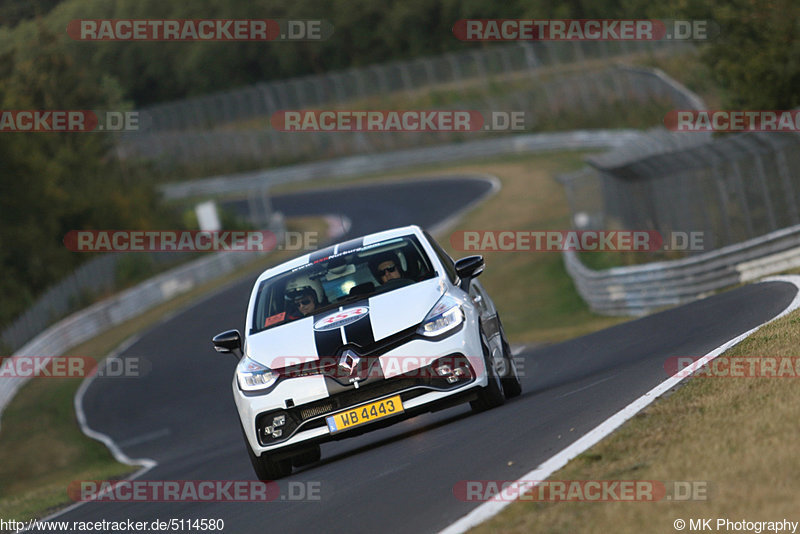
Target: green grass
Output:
[(43, 450), (737, 435)]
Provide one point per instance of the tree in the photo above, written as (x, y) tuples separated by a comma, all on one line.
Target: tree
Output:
[(54, 182)]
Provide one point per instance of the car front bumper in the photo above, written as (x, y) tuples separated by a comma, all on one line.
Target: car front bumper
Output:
[(306, 401)]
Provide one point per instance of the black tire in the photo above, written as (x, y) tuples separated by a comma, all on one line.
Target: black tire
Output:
[(490, 396), (308, 457), (509, 377), (265, 467)]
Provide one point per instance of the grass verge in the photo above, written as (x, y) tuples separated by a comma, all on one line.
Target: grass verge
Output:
[(738, 435), (42, 449)]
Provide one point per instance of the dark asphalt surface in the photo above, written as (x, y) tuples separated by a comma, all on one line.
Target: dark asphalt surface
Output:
[(397, 479)]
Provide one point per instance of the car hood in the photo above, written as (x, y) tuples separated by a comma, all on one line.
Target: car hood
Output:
[(357, 323)]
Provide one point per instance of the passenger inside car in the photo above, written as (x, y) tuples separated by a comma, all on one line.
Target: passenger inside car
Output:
[(386, 267)]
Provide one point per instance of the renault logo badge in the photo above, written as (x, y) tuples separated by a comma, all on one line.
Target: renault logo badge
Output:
[(348, 361)]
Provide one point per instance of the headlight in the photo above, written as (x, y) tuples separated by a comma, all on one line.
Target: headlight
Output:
[(445, 316), (252, 376)]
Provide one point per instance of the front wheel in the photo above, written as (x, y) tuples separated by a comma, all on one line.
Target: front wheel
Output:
[(267, 468), (490, 396), (308, 457), (509, 377)]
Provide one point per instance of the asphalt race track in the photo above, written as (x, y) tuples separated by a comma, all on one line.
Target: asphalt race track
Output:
[(401, 478)]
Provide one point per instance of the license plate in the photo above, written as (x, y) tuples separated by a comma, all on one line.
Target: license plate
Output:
[(364, 414)]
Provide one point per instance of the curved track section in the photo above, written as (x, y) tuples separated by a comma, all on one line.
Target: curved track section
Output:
[(401, 478)]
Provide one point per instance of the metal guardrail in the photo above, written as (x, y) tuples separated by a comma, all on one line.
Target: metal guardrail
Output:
[(452, 70), (742, 191), (359, 165), (545, 80), (96, 277), (90, 322), (640, 289)]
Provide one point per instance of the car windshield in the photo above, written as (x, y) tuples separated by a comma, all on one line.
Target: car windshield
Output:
[(326, 283)]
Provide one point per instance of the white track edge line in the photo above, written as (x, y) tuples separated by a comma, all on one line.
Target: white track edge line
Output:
[(146, 463), (494, 506)]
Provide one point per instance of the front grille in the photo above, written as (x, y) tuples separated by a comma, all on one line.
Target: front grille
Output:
[(308, 413)]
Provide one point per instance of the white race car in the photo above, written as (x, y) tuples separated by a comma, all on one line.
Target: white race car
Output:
[(358, 336)]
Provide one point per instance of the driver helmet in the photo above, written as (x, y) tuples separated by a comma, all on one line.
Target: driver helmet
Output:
[(303, 285)]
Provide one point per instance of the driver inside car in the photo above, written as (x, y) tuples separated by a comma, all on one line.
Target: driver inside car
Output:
[(305, 296)]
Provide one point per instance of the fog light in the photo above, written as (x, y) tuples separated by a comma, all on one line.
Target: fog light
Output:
[(453, 369), (279, 420), (277, 433)]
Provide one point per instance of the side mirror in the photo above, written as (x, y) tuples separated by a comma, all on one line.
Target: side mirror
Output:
[(229, 341), (468, 268)]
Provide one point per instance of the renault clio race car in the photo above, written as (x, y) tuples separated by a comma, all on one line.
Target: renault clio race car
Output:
[(358, 336)]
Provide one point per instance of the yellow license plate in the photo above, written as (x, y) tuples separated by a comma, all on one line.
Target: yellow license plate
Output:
[(364, 414)]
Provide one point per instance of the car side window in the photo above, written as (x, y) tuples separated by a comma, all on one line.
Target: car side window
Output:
[(446, 260)]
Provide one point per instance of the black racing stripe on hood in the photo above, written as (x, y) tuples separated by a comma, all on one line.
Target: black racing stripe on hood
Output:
[(360, 332), (328, 342)]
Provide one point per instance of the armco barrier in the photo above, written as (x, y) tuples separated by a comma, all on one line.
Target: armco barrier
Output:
[(542, 79), (359, 165), (640, 289), (87, 323)]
